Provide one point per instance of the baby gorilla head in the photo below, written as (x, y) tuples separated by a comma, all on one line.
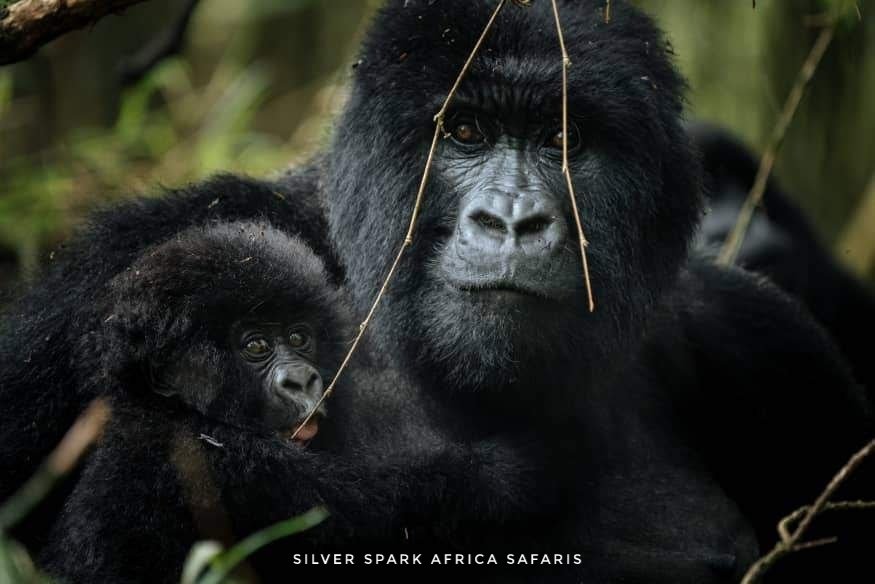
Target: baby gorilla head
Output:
[(236, 321), (280, 357)]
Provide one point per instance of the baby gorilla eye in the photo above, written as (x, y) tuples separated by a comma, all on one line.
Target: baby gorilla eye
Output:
[(256, 348), (299, 340), (467, 133)]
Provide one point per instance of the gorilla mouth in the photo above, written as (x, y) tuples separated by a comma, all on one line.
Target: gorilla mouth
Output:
[(308, 431), (502, 289)]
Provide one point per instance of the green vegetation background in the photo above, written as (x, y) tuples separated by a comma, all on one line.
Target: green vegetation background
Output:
[(257, 84)]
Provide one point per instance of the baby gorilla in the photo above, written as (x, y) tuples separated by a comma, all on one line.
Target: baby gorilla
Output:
[(228, 320), (212, 348)]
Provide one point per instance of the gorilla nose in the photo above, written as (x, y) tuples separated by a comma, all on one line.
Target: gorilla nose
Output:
[(501, 222), (300, 379)]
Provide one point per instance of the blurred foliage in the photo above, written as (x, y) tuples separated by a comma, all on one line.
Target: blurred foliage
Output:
[(258, 81), (16, 567), (207, 563), (741, 63), (252, 92)]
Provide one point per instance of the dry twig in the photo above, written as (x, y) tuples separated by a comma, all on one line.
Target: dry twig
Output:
[(733, 242), (581, 238), (27, 25), (791, 540), (408, 238)]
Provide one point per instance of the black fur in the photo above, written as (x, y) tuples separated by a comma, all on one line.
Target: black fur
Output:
[(782, 244), (650, 436), (149, 304), (168, 471), (40, 388), (661, 418), (627, 95)]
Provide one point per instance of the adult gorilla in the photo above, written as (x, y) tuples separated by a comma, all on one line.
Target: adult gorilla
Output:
[(662, 419), (669, 407)]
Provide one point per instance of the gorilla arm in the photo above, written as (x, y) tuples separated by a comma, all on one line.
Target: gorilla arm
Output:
[(784, 409), (432, 475)]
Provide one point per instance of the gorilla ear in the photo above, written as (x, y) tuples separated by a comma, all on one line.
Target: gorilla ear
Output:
[(158, 385)]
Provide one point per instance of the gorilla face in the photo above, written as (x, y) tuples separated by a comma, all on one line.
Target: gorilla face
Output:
[(236, 321), (492, 289), (279, 357), (262, 374), (510, 238)]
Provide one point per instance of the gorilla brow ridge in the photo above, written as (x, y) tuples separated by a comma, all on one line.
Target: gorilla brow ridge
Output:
[(439, 132)]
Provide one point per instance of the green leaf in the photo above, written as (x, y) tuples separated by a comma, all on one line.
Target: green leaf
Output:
[(223, 564), (198, 560), (16, 567)]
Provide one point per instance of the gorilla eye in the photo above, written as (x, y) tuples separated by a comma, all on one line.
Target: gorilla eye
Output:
[(558, 137), (256, 348), (467, 133), (299, 340)]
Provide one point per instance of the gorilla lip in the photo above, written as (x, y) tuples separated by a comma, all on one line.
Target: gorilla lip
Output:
[(308, 431), (501, 288)]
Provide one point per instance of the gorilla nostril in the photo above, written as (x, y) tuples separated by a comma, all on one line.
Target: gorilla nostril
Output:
[(289, 383), (533, 225), (489, 222), (298, 380), (314, 383)]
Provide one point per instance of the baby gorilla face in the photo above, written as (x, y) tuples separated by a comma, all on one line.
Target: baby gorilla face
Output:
[(225, 320), (260, 373), (280, 358)]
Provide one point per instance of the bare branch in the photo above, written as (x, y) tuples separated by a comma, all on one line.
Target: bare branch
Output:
[(733, 243), (408, 238), (27, 25), (566, 170), (787, 522), (791, 541)]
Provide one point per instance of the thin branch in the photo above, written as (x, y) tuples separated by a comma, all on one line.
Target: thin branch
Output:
[(84, 432), (786, 523), (27, 25), (791, 541), (408, 238), (165, 45), (733, 242), (566, 170), (831, 488)]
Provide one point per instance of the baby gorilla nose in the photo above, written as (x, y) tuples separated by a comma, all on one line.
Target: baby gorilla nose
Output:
[(500, 224), (298, 379)]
